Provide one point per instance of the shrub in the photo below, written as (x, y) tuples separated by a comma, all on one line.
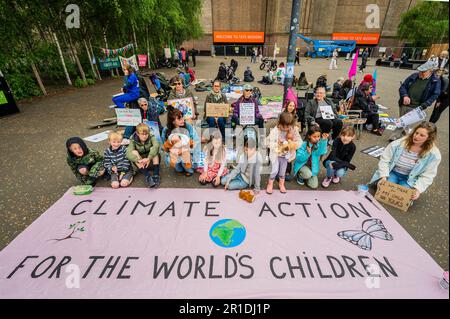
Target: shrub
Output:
[(79, 83)]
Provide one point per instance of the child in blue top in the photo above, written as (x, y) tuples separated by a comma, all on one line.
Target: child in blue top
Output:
[(130, 89), (307, 161)]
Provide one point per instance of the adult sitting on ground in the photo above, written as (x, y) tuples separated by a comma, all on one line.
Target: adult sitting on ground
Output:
[(267, 79), (130, 90), (248, 75), (366, 102), (322, 82), (177, 124), (222, 73), (149, 112), (302, 82), (411, 161), (179, 92), (313, 113), (247, 98), (418, 90), (216, 96)]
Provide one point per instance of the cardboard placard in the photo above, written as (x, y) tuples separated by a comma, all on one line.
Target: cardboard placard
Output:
[(217, 110), (247, 113), (394, 195), (128, 117)]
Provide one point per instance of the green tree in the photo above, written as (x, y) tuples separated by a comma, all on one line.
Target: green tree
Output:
[(425, 24)]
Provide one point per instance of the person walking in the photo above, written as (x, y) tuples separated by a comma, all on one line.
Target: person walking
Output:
[(333, 62)]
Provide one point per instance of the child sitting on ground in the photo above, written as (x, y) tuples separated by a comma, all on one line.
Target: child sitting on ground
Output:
[(85, 163), (283, 141), (247, 173), (338, 161), (176, 144), (307, 163), (143, 150), (116, 162), (215, 160)]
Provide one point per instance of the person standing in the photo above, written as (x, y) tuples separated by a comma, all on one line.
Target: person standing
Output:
[(193, 53), (364, 58), (443, 60), (442, 100), (333, 62), (297, 57), (418, 90)]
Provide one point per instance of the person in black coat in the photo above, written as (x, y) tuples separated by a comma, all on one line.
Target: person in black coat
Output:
[(442, 100), (248, 75), (365, 102)]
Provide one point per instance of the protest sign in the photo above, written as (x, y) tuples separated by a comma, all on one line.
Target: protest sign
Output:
[(142, 60), (109, 63), (271, 110), (154, 127), (97, 137), (129, 61), (189, 243), (247, 114), (128, 117), (185, 105), (217, 110), (327, 112), (412, 117), (394, 195)]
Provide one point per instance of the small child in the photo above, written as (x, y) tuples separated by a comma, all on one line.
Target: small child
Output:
[(247, 173), (116, 163), (176, 143), (215, 161), (143, 150), (85, 163), (307, 163), (283, 141), (338, 161)]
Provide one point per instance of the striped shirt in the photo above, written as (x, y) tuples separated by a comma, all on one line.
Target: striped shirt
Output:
[(116, 158), (406, 162)]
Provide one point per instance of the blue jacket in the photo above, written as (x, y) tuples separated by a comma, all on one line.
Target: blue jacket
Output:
[(131, 84), (196, 149), (430, 94), (303, 155), (423, 173)]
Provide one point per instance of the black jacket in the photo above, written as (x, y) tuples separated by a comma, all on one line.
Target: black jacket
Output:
[(364, 102), (341, 154)]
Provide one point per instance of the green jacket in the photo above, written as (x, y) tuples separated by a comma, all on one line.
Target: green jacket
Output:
[(93, 159), (148, 149)]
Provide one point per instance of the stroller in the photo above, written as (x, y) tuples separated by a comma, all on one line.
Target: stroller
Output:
[(231, 77), (161, 85)]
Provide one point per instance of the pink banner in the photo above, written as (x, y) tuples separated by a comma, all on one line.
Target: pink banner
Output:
[(187, 243), (142, 60)]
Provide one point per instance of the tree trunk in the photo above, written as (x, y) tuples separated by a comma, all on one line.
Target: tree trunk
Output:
[(90, 58), (74, 51), (134, 36), (106, 47), (62, 59), (96, 68), (148, 50), (38, 78)]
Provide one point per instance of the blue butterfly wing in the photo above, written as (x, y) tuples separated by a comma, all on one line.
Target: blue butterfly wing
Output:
[(375, 228), (358, 238)]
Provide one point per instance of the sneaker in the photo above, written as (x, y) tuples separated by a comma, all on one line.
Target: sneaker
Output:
[(288, 177), (326, 182), (125, 141), (336, 179), (156, 180), (150, 182), (376, 132), (300, 181)]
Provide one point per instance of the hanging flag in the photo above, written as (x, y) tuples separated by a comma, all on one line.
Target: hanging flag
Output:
[(352, 71), (374, 82)]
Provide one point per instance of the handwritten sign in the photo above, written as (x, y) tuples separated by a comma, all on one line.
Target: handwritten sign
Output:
[(394, 195), (128, 117), (217, 110), (412, 117), (142, 60), (271, 110), (247, 114), (327, 112)]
